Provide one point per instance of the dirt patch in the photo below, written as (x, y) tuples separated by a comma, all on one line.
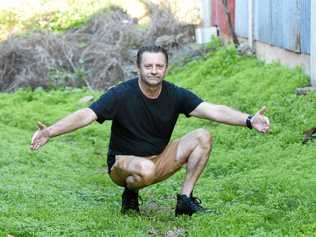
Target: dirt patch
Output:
[(175, 232)]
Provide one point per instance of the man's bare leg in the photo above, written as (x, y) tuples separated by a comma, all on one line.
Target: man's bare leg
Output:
[(135, 172), (194, 149)]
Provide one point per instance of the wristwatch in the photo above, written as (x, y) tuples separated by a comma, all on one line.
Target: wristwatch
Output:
[(248, 121)]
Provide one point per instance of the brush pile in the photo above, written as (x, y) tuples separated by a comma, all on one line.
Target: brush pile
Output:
[(97, 55)]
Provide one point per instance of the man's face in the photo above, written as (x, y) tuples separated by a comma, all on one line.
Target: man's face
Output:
[(152, 68)]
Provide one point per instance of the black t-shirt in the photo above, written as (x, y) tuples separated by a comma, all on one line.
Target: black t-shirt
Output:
[(142, 126)]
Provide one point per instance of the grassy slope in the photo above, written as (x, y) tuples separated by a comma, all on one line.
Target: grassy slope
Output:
[(258, 185)]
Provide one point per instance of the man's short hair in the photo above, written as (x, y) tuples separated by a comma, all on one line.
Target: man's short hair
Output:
[(151, 49)]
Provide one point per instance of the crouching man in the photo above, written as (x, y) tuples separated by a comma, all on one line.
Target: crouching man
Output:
[(144, 112)]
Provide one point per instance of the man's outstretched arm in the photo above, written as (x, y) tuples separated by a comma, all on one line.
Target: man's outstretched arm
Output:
[(78, 119), (227, 115)]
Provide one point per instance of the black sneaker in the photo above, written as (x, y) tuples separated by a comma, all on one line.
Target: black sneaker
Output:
[(188, 205), (129, 201)]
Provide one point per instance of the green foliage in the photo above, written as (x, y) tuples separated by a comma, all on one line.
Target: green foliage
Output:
[(54, 19), (8, 18), (215, 43), (257, 185)]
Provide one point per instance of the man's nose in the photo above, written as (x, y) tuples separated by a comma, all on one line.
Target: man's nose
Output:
[(154, 70)]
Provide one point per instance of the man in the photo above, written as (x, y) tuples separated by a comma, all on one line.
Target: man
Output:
[(144, 112)]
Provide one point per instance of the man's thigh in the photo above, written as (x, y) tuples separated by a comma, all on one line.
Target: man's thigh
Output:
[(165, 165), (176, 154)]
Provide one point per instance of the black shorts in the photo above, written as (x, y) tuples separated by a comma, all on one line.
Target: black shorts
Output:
[(110, 160)]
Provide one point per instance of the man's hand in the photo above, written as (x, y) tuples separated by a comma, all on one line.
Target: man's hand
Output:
[(40, 137), (78, 119), (260, 122)]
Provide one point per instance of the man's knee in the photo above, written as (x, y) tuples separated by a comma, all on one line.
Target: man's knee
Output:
[(146, 170), (204, 138)]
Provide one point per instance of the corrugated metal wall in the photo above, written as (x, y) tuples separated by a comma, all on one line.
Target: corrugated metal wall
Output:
[(241, 18), (263, 21), (218, 15), (282, 23), (305, 25)]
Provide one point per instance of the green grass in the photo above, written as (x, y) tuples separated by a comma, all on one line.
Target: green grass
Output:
[(258, 185)]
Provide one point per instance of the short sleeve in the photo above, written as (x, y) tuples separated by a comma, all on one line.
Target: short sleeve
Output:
[(106, 106), (188, 101)]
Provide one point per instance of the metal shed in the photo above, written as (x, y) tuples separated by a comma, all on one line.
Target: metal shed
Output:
[(282, 23)]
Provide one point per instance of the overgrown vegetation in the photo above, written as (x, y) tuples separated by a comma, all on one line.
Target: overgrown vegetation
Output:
[(48, 15), (96, 55), (257, 185)]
